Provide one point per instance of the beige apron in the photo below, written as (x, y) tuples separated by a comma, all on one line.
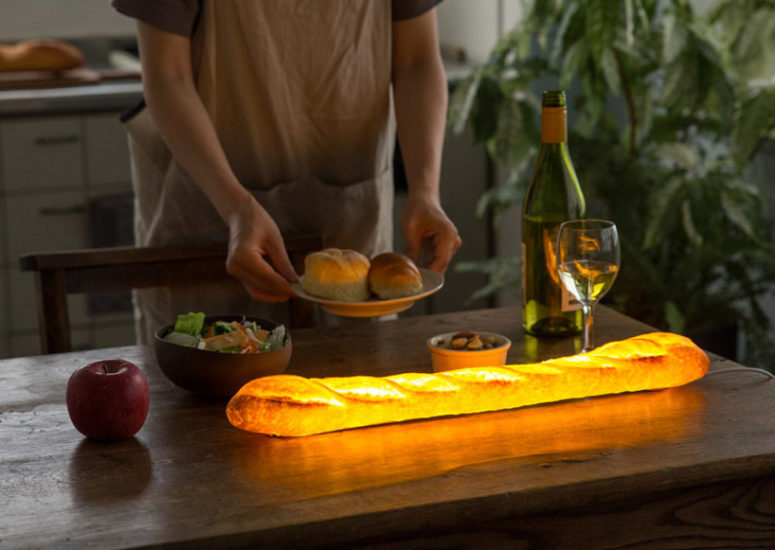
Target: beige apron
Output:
[(299, 94)]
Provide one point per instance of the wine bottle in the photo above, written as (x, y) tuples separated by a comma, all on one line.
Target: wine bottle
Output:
[(553, 196)]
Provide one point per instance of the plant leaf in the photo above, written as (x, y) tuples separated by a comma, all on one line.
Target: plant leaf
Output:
[(601, 20), (484, 112), (736, 200), (499, 198), (610, 69), (716, 81), (757, 32), (663, 211), (642, 98), (695, 237), (676, 322), (756, 119), (462, 102), (559, 38), (503, 274), (514, 135), (681, 77), (573, 63), (674, 37)]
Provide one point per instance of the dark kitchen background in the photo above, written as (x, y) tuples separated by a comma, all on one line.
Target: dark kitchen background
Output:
[(64, 171)]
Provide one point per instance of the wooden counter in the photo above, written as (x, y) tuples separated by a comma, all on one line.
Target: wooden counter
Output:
[(690, 467)]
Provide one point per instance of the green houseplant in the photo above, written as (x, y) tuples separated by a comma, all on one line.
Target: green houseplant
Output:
[(665, 116)]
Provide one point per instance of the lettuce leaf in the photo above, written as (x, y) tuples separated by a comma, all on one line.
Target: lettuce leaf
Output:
[(190, 323)]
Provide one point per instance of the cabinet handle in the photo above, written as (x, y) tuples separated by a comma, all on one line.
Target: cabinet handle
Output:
[(57, 140), (62, 210)]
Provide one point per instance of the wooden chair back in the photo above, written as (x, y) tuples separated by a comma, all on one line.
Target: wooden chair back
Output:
[(58, 274)]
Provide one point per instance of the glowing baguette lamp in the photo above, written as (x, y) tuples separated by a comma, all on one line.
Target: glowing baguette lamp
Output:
[(288, 405)]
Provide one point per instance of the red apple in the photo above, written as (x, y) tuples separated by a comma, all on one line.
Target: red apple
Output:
[(108, 399)]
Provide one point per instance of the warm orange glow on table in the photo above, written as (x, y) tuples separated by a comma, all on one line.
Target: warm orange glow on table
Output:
[(288, 405), (354, 460)]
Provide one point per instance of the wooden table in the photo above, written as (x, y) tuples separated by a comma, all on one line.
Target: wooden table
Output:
[(690, 467)]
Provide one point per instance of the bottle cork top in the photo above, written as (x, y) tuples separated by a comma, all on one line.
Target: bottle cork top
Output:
[(553, 98)]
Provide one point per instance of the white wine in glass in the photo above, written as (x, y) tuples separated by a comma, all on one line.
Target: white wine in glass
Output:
[(588, 260)]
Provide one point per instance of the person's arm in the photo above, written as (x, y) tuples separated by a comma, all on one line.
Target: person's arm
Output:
[(183, 122), (420, 91)]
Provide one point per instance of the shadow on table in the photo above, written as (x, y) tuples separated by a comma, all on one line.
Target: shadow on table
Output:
[(122, 466)]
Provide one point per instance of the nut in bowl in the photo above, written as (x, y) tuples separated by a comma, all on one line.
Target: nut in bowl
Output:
[(464, 349), (216, 373)]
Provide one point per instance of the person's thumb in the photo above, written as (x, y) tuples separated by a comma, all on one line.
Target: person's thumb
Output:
[(279, 259)]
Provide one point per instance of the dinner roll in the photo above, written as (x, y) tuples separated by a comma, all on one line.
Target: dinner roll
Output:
[(394, 275), (337, 274)]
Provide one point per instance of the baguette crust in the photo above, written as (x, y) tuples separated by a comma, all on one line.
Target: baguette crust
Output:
[(39, 55), (288, 405)]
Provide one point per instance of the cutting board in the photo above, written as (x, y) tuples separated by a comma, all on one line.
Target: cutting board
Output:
[(17, 80)]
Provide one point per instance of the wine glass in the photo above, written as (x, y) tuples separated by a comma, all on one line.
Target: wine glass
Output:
[(588, 263)]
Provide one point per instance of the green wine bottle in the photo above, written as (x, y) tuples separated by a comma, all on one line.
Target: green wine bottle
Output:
[(553, 196)]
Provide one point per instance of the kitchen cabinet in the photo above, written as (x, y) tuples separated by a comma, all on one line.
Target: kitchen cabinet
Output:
[(42, 154), (45, 221), (53, 171)]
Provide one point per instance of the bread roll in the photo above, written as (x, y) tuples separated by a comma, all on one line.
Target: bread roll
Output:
[(287, 405), (337, 274), (39, 55), (394, 275)]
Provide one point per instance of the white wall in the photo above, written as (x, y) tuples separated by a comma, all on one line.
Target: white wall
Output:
[(475, 25), (63, 19)]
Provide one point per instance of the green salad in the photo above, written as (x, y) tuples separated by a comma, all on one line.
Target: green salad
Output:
[(192, 330)]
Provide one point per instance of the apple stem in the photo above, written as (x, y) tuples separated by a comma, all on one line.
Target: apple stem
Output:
[(111, 367)]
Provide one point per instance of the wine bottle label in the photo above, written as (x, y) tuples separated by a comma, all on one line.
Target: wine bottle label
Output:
[(569, 302)]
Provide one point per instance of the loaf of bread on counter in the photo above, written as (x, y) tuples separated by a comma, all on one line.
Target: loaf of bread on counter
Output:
[(40, 55), (288, 405)]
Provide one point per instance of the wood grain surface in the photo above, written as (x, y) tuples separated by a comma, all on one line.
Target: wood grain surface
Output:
[(689, 467)]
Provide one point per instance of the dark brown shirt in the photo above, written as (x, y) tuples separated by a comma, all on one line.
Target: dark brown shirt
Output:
[(179, 16)]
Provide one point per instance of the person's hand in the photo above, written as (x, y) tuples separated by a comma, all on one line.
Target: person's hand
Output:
[(257, 255), (429, 233)]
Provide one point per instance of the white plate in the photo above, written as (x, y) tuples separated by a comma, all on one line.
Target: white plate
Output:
[(431, 283)]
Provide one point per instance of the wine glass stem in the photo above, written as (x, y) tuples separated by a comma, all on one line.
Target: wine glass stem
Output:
[(586, 310)]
